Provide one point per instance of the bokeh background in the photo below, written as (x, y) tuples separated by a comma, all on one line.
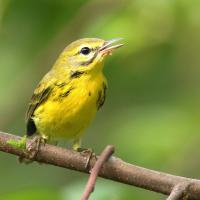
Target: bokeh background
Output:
[(152, 110)]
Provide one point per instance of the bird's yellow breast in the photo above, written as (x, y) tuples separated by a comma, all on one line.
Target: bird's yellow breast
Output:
[(70, 107)]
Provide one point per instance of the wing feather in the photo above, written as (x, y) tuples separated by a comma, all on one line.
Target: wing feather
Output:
[(40, 95)]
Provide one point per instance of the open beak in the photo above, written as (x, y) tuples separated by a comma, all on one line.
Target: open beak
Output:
[(107, 47)]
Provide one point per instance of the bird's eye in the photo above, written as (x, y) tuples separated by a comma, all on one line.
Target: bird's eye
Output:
[(85, 50)]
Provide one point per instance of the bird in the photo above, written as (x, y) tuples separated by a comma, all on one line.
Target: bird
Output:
[(67, 98)]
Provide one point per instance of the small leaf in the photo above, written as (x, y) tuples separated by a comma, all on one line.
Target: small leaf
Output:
[(19, 144)]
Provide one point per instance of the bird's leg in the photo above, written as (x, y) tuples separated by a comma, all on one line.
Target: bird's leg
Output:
[(76, 144), (85, 152), (32, 149), (34, 146)]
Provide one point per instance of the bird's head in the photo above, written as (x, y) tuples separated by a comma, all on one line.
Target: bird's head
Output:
[(87, 54)]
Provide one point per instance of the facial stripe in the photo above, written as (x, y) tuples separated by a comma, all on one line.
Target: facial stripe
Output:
[(87, 62)]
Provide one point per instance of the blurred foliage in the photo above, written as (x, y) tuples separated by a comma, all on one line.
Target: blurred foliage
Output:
[(152, 110)]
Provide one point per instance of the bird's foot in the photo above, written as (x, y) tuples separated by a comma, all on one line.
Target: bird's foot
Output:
[(34, 146), (32, 149), (88, 153)]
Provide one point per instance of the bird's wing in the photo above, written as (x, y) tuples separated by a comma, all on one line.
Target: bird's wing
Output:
[(40, 95), (37, 98)]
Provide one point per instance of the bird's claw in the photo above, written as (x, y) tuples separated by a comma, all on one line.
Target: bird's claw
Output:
[(32, 149), (88, 153), (34, 146)]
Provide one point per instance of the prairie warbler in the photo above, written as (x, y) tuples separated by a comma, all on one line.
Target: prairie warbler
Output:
[(69, 95)]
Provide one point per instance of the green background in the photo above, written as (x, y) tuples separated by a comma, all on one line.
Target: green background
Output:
[(152, 110)]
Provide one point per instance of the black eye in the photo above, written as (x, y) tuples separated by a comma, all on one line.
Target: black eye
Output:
[(85, 50)]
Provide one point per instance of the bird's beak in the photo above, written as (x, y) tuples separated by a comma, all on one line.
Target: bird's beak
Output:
[(107, 47)]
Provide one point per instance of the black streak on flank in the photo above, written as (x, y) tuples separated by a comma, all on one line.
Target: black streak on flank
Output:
[(101, 96), (65, 94), (76, 74)]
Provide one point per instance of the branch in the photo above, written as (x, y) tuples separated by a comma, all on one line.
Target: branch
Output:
[(114, 169), (107, 152)]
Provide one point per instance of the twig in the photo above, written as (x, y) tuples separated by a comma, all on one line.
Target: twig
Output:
[(179, 191), (105, 155), (114, 169)]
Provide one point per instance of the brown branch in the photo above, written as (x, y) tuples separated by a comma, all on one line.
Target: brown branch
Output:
[(114, 169), (105, 155)]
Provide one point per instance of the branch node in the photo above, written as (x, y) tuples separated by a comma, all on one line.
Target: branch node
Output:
[(180, 191)]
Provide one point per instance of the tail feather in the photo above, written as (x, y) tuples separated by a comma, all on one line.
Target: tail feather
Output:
[(30, 128)]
